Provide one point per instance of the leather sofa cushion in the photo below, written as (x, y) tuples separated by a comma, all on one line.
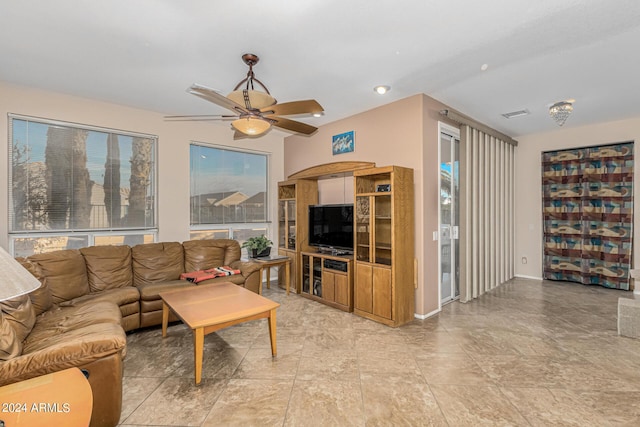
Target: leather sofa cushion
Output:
[(10, 346), (151, 291), (108, 267), (66, 273), (19, 313), (118, 296), (41, 297), (150, 294), (127, 299), (73, 348), (157, 262), (130, 317), (131, 309), (51, 325), (153, 318), (204, 254)]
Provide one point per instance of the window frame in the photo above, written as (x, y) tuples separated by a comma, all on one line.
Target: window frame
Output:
[(232, 227), (90, 233)]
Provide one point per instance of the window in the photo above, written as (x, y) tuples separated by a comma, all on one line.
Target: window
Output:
[(228, 193), (72, 186)]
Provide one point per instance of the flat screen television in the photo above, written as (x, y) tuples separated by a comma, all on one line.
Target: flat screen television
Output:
[(331, 226)]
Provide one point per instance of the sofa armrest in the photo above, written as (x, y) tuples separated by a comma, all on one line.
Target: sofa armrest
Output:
[(246, 267), (72, 349)]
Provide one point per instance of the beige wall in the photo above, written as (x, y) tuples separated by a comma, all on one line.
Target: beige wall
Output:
[(173, 148), (528, 182), (403, 133)]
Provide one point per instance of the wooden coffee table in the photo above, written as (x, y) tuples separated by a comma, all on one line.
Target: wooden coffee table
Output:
[(208, 308)]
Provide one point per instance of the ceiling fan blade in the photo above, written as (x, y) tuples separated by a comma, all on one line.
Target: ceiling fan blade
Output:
[(292, 125), (213, 96), (200, 117), (308, 106)]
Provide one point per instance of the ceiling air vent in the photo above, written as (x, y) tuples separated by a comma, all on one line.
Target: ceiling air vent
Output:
[(513, 114)]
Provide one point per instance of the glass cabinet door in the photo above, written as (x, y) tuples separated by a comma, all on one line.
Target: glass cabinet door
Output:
[(287, 224), (317, 277), (307, 274), (282, 206), (291, 226), (382, 219), (363, 228)]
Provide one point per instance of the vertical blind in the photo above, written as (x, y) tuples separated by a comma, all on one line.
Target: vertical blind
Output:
[(487, 206)]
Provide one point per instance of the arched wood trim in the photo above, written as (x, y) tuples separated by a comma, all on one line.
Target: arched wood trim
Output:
[(315, 172)]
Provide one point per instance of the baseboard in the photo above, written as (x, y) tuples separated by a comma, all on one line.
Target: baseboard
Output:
[(424, 316), (522, 276)]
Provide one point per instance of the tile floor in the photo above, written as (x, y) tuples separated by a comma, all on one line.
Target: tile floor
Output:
[(529, 353)]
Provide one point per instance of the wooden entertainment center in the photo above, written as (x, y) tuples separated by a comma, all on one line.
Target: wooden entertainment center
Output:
[(378, 280), (328, 279)]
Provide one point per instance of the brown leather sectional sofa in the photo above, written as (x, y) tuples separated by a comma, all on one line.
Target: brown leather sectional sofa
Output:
[(90, 297)]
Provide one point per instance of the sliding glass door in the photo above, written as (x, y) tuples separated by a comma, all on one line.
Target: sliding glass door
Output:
[(449, 215)]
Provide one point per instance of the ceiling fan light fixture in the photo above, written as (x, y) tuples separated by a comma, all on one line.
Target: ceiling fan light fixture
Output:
[(382, 89), (251, 126), (252, 99), (560, 111), (254, 111)]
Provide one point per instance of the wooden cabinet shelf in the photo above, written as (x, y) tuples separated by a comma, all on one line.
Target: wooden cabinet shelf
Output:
[(328, 279), (294, 198), (384, 245)]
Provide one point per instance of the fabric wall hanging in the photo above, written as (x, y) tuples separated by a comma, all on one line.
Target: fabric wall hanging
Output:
[(588, 215)]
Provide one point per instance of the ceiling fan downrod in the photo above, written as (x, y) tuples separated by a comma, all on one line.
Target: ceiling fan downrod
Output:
[(250, 59)]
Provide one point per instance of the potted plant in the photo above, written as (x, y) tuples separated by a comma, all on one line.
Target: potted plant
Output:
[(258, 246)]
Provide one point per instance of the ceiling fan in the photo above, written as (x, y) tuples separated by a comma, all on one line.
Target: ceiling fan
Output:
[(254, 111)]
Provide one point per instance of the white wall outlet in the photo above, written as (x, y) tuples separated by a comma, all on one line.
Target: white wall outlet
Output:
[(435, 236)]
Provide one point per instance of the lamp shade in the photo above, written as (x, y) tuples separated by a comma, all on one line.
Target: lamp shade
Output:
[(251, 125), (15, 280), (252, 99)]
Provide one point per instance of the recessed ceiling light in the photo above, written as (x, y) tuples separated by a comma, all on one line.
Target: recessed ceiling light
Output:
[(518, 113), (484, 67), (381, 90), (317, 114)]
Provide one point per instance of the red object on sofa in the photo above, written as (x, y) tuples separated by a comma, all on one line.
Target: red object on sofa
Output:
[(211, 273)]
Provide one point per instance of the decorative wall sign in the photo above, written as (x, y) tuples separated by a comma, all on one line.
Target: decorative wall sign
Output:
[(343, 143)]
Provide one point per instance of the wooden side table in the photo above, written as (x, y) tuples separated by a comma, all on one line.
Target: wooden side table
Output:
[(274, 261), (62, 398)]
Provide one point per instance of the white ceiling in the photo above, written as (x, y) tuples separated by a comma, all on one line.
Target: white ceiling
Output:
[(145, 53)]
